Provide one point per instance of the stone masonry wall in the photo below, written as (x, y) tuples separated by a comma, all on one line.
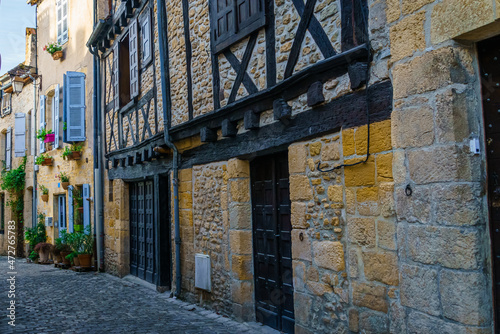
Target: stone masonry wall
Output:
[(442, 228)]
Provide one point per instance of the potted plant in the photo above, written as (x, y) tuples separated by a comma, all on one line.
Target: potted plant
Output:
[(45, 193), (35, 235), (78, 199), (85, 255), (55, 49), (64, 180), (59, 248), (43, 249), (75, 241), (46, 135), (73, 152), (44, 160), (65, 247)]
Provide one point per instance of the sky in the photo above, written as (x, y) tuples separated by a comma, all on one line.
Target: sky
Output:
[(15, 17)]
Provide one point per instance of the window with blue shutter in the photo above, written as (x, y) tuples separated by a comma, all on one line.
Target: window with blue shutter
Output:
[(55, 117), (62, 213), (8, 149), (70, 210), (20, 135), (42, 120), (86, 205), (74, 107), (146, 45)]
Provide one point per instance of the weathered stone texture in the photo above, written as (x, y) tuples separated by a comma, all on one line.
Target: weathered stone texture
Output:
[(419, 289), (370, 296), (407, 36)]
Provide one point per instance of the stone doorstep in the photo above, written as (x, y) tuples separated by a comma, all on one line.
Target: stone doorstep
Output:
[(252, 325)]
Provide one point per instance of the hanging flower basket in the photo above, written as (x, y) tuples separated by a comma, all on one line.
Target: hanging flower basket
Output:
[(45, 198), (57, 55), (75, 155), (65, 185), (50, 138)]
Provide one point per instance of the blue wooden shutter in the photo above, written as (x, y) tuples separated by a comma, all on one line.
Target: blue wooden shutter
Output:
[(20, 135), (133, 41), (8, 149), (75, 106), (55, 117), (70, 210), (42, 120), (86, 205), (62, 214)]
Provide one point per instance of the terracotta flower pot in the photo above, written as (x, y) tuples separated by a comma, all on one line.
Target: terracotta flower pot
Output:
[(44, 256), (47, 162), (64, 259), (85, 260), (57, 55), (45, 198), (50, 138), (65, 185), (75, 155), (76, 261)]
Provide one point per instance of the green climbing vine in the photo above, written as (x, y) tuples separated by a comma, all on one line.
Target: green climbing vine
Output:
[(13, 181)]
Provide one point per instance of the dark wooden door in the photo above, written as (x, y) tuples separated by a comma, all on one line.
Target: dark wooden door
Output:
[(489, 62), (272, 242), (142, 241)]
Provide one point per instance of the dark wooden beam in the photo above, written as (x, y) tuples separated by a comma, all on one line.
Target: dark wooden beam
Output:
[(282, 111), (189, 54), (240, 74), (345, 112), (229, 128), (354, 14), (129, 161), (251, 120), (315, 94), (358, 74), (138, 158), (208, 135)]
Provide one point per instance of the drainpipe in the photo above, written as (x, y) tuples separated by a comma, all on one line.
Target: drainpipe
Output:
[(98, 184), (165, 93), (33, 149)]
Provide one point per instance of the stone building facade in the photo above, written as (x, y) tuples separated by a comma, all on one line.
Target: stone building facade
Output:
[(66, 88), (326, 161)]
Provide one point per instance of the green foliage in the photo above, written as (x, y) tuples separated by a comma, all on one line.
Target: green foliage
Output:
[(41, 158), (14, 180), (44, 190), (35, 235), (64, 177), (79, 242), (88, 241), (33, 256), (65, 126), (42, 133)]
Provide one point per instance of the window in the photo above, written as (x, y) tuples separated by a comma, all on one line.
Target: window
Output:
[(6, 103), (43, 98), (126, 67), (145, 22), (55, 117), (8, 148), (233, 20), (62, 21), (74, 107)]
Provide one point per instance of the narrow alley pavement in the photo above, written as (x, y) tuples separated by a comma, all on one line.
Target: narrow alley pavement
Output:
[(51, 300)]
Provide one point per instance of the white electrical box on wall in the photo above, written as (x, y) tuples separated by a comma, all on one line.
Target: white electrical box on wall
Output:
[(48, 221), (202, 277), (474, 146)]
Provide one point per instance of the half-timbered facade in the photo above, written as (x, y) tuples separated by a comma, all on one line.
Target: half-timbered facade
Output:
[(278, 161)]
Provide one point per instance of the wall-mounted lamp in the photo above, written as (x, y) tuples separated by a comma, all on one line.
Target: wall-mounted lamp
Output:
[(17, 84)]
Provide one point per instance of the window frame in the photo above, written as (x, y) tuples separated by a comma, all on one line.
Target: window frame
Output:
[(62, 38), (6, 104), (238, 34), (146, 17)]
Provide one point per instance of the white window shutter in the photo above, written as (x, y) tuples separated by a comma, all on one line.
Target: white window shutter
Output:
[(33, 133), (134, 59), (55, 117), (146, 37), (75, 106), (42, 120), (86, 205), (116, 75), (20, 135), (8, 149), (62, 21)]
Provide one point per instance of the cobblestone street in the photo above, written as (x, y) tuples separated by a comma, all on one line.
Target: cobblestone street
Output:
[(51, 300)]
